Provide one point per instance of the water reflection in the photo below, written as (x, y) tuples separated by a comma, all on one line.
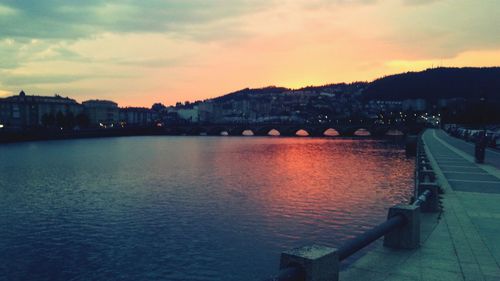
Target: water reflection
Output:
[(186, 208)]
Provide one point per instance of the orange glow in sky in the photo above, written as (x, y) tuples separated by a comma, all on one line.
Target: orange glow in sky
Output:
[(138, 53)]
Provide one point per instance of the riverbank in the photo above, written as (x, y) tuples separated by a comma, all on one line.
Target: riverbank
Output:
[(458, 244), (41, 135)]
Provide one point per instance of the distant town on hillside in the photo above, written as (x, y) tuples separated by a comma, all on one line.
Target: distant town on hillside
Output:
[(457, 95)]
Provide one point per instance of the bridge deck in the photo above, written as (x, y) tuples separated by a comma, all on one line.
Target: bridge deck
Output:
[(463, 243)]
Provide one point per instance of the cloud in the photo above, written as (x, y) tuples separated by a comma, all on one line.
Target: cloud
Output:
[(446, 28), (60, 78), (420, 2), (16, 53), (148, 62), (336, 3), (4, 93), (144, 51), (63, 19)]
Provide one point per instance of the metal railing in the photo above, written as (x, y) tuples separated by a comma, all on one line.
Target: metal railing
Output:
[(296, 273), (422, 198), (365, 239)]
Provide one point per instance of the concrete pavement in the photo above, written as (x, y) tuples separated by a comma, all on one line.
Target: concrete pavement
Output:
[(461, 243), (492, 156)]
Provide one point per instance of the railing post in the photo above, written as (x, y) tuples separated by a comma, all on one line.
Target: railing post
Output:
[(320, 263), (427, 175), (406, 236), (431, 205)]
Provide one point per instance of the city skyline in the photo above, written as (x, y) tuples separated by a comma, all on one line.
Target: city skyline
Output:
[(169, 51)]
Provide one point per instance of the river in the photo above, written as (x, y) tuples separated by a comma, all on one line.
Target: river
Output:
[(187, 208)]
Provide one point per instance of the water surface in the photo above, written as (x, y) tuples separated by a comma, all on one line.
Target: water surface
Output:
[(186, 208)]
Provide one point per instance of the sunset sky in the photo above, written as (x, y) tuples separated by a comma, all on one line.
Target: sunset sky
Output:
[(141, 52)]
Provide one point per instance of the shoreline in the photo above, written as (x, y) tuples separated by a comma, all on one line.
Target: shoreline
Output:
[(37, 135)]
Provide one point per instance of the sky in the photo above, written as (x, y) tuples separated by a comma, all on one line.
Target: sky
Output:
[(138, 52)]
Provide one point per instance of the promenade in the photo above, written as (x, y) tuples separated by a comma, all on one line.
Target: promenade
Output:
[(460, 243)]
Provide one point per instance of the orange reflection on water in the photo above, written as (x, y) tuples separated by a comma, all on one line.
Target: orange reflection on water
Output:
[(310, 189)]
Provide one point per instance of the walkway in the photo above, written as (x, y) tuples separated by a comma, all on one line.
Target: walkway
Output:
[(492, 155), (463, 243)]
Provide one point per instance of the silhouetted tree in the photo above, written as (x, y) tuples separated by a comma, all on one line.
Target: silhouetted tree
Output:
[(158, 107)]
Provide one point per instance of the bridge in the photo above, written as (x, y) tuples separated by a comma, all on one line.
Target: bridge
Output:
[(313, 130)]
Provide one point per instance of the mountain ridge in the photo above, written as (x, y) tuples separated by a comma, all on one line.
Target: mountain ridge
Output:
[(430, 84)]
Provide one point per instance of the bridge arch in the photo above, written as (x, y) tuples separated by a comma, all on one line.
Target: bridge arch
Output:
[(331, 132), (362, 132), (241, 131), (302, 133), (217, 131), (273, 133), (394, 132), (268, 130), (247, 132)]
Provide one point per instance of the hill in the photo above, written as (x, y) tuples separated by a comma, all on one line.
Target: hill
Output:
[(245, 93), (438, 83)]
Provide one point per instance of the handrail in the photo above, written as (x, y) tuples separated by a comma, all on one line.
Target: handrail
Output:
[(349, 248), (361, 241), (422, 198)]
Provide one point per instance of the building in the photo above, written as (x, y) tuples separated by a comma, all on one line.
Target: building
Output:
[(189, 115), (377, 106), (206, 111), (102, 113), (137, 116), (31, 111), (414, 105)]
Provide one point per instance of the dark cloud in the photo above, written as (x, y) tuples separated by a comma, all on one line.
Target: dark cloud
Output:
[(72, 19)]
